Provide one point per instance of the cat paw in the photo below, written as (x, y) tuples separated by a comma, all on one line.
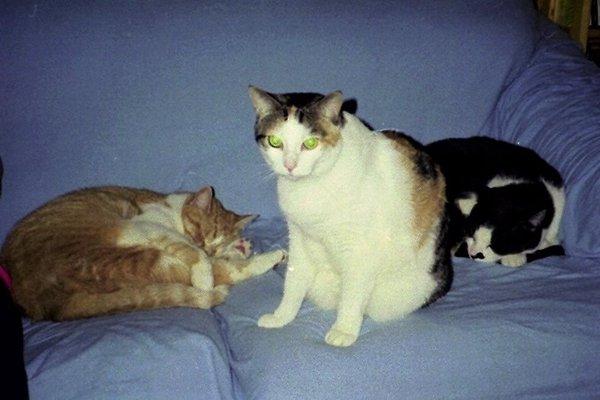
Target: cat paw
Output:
[(514, 260), (270, 321), (277, 256), (264, 262), (244, 247), (337, 338)]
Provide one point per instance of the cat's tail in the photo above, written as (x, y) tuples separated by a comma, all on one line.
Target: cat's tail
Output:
[(84, 304)]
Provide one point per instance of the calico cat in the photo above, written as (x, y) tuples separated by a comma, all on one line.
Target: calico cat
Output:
[(507, 201), (365, 211), (113, 249)]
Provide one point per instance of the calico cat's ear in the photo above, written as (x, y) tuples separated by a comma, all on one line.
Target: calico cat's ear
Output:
[(245, 220), (537, 218), (263, 102), (466, 202), (330, 106), (203, 198)]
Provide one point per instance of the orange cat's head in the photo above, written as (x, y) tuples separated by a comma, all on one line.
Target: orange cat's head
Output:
[(212, 227)]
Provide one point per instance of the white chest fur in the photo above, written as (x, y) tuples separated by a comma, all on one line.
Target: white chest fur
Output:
[(365, 196), (156, 220)]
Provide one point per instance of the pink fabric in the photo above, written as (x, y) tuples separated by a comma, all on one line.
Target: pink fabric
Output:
[(5, 277)]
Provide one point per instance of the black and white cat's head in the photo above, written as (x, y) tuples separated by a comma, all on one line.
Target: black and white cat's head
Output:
[(299, 133), (505, 220)]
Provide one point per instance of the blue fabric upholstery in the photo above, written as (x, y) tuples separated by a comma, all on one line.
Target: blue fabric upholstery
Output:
[(153, 94), (177, 353), (500, 333), (154, 355)]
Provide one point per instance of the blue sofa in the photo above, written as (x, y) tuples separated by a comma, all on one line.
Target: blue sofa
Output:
[(153, 94)]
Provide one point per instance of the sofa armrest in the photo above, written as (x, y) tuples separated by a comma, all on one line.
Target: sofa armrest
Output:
[(554, 108)]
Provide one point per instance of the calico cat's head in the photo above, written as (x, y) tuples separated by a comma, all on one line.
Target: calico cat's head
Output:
[(212, 227), (505, 220), (298, 133)]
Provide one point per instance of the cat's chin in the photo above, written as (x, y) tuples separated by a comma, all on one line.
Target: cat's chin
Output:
[(292, 178)]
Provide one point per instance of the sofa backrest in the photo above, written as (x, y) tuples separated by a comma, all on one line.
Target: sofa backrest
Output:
[(154, 94)]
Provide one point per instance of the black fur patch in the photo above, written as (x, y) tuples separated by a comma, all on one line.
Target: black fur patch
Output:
[(442, 268), (469, 164), (507, 210)]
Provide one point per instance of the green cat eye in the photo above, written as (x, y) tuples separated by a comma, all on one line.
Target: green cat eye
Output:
[(275, 141), (311, 143)]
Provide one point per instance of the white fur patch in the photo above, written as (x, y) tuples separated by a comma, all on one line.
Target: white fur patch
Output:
[(480, 243), (550, 237), (293, 134), (466, 204), (500, 181), (156, 220)]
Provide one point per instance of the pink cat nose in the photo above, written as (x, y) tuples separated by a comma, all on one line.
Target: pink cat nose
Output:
[(290, 165)]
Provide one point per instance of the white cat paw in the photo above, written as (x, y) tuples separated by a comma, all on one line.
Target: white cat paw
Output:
[(514, 260), (338, 338), (277, 256), (270, 321), (266, 261)]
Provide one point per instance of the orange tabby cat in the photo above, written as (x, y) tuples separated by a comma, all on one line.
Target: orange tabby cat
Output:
[(112, 249)]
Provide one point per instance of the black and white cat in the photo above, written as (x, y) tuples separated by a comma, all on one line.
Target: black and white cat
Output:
[(508, 200)]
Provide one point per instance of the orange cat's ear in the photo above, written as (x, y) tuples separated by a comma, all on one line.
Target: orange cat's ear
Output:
[(245, 220), (203, 198)]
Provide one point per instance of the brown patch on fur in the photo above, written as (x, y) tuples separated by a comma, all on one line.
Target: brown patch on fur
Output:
[(428, 194), (65, 261), (180, 250), (330, 133), (222, 272)]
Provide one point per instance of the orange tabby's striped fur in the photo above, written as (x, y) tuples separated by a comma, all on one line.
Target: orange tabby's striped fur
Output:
[(113, 249)]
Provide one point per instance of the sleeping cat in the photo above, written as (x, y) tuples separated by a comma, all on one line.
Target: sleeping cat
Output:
[(508, 202), (365, 212), (112, 249)]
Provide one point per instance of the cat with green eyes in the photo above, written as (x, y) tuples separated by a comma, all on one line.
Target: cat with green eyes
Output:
[(366, 213)]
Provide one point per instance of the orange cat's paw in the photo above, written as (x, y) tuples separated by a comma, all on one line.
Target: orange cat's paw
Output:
[(244, 247)]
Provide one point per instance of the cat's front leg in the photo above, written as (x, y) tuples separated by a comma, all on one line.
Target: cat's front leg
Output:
[(298, 279), (357, 286)]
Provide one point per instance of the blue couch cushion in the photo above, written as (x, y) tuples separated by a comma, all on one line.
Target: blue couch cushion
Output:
[(155, 94), (501, 332), (161, 354)]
